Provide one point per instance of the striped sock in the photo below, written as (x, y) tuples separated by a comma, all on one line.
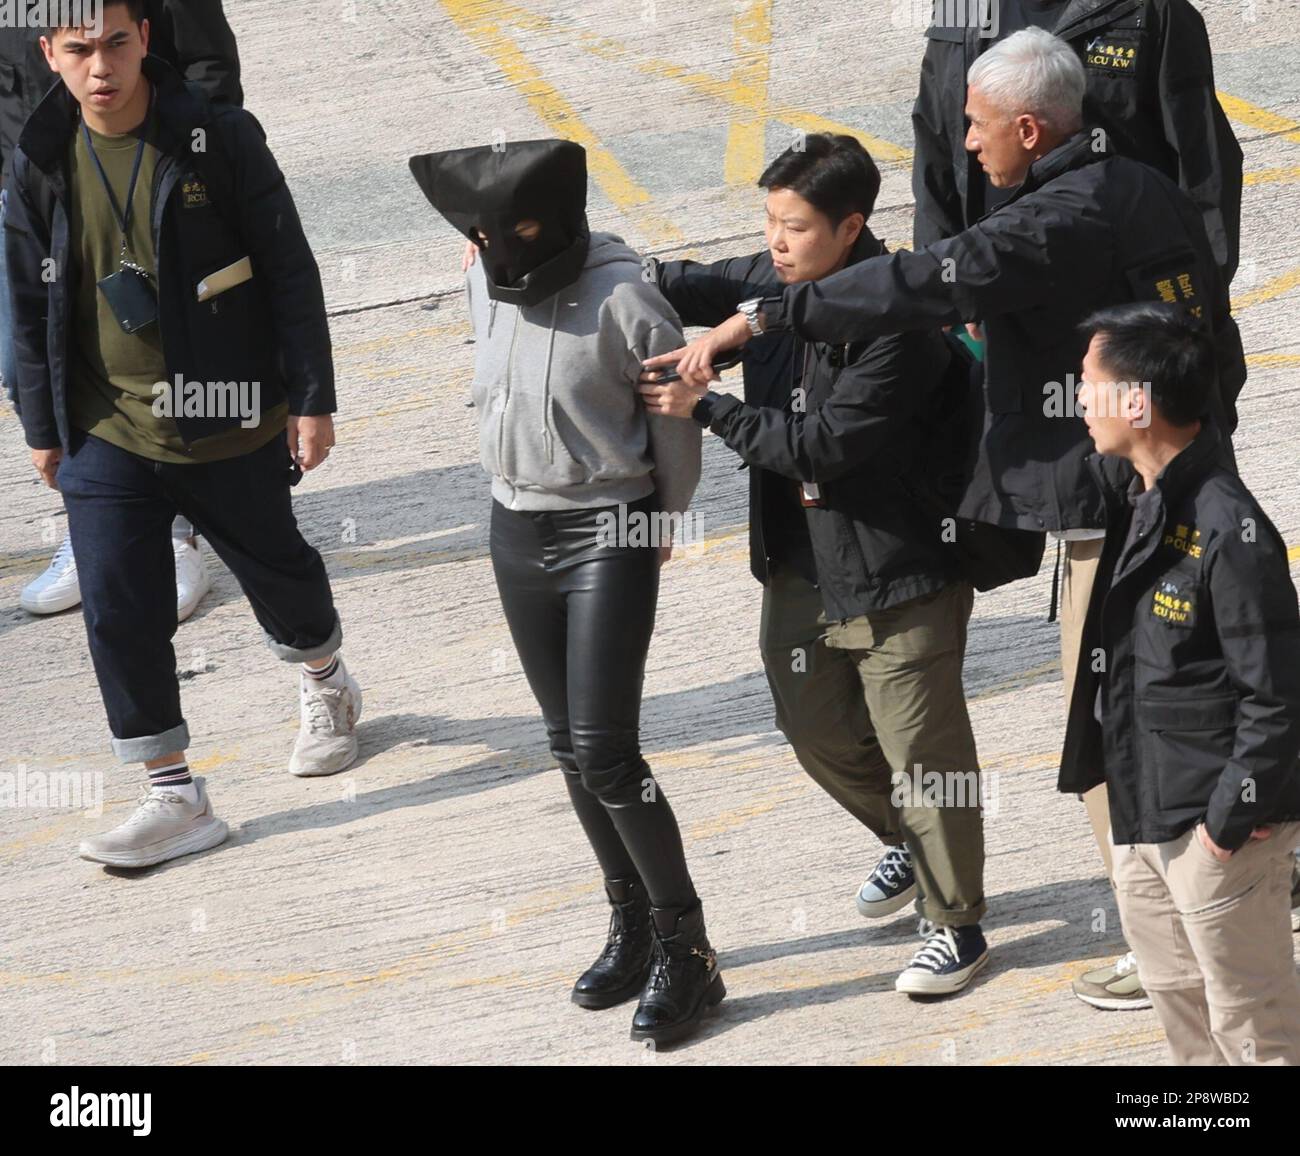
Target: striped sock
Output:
[(325, 672), (172, 775)]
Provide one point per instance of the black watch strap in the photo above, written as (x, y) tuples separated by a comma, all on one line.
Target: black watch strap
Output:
[(703, 411)]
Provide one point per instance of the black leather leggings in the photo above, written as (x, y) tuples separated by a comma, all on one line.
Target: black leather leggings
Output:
[(581, 615)]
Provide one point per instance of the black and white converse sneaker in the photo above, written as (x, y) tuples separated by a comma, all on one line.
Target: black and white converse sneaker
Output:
[(890, 886), (947, 962)]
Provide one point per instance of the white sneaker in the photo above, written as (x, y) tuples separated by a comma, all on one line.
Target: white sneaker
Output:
[(165, 826), (192, 580), (327, 738), (57, 589)]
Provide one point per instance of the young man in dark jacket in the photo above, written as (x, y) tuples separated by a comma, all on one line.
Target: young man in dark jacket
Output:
[(178, 360), (1082, 229), (1150, 87), (193, 36), (864, 609), (1187, 698)]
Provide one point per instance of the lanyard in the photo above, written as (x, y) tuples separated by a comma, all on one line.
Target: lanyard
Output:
[(123, 218)]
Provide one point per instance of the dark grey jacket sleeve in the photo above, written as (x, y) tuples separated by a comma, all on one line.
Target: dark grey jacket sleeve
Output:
[(195, 38), (852, 427), (27, 254), (939, 209), (709, 294), (281, 254), (1258, 625), (1010, 260), (1209, 157)]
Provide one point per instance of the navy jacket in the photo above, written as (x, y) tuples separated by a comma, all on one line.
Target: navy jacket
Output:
[(191, 35), (211, 208)]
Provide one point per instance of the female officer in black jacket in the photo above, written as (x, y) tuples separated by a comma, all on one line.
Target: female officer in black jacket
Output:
[(844, 454)]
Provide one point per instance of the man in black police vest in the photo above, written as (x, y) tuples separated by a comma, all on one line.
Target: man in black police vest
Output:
[(1082, 228), (1187, 698), (1150, 89)]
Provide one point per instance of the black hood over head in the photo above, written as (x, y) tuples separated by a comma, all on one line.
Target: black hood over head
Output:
[(484, 192)]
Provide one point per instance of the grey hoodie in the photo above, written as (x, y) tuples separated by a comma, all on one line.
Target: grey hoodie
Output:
[(561, 426)]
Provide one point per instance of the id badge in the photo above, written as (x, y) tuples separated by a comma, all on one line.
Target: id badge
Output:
[(131, 297)]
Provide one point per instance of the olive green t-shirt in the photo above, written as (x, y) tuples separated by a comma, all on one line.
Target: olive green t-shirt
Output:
[(112, 373)]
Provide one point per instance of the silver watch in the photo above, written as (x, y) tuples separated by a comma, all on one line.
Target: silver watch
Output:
[(751, 310)]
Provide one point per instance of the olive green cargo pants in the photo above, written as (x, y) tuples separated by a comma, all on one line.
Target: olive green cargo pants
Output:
[(875, 711)]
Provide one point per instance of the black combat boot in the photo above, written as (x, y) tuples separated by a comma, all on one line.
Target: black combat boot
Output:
[(684, 978), (621, 970)]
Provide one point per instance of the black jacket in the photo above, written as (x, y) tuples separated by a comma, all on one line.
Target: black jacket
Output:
[(708, 295), (1157, 106), (191, 35), (1195, 647), (862, 435), (210, 209), (1085, 230)]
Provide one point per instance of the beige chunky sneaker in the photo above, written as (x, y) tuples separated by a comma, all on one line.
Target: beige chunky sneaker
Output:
[(327, 737), (165, 826), (1113, 988)]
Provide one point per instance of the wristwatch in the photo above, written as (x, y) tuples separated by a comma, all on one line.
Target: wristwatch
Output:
[(752, 309), (703, 411)]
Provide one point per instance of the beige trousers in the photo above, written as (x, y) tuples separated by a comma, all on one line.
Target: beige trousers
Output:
[(1213, 945)]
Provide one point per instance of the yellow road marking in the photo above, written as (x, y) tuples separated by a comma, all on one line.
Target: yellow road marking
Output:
[(741, 96), (764, 803), (881, 150), (1272, 176), (481, 21), (23, 562), (746, 143), (1020, 679), (1253, 116), (1278, 287), (373, 344)]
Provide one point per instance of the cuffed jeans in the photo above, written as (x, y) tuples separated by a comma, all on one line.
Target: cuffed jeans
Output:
[(120, 511)]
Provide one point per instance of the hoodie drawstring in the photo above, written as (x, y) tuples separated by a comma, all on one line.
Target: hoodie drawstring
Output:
[(548, 416)]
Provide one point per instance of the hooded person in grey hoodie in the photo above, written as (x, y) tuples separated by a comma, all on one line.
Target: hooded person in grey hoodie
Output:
[(587, 489)]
